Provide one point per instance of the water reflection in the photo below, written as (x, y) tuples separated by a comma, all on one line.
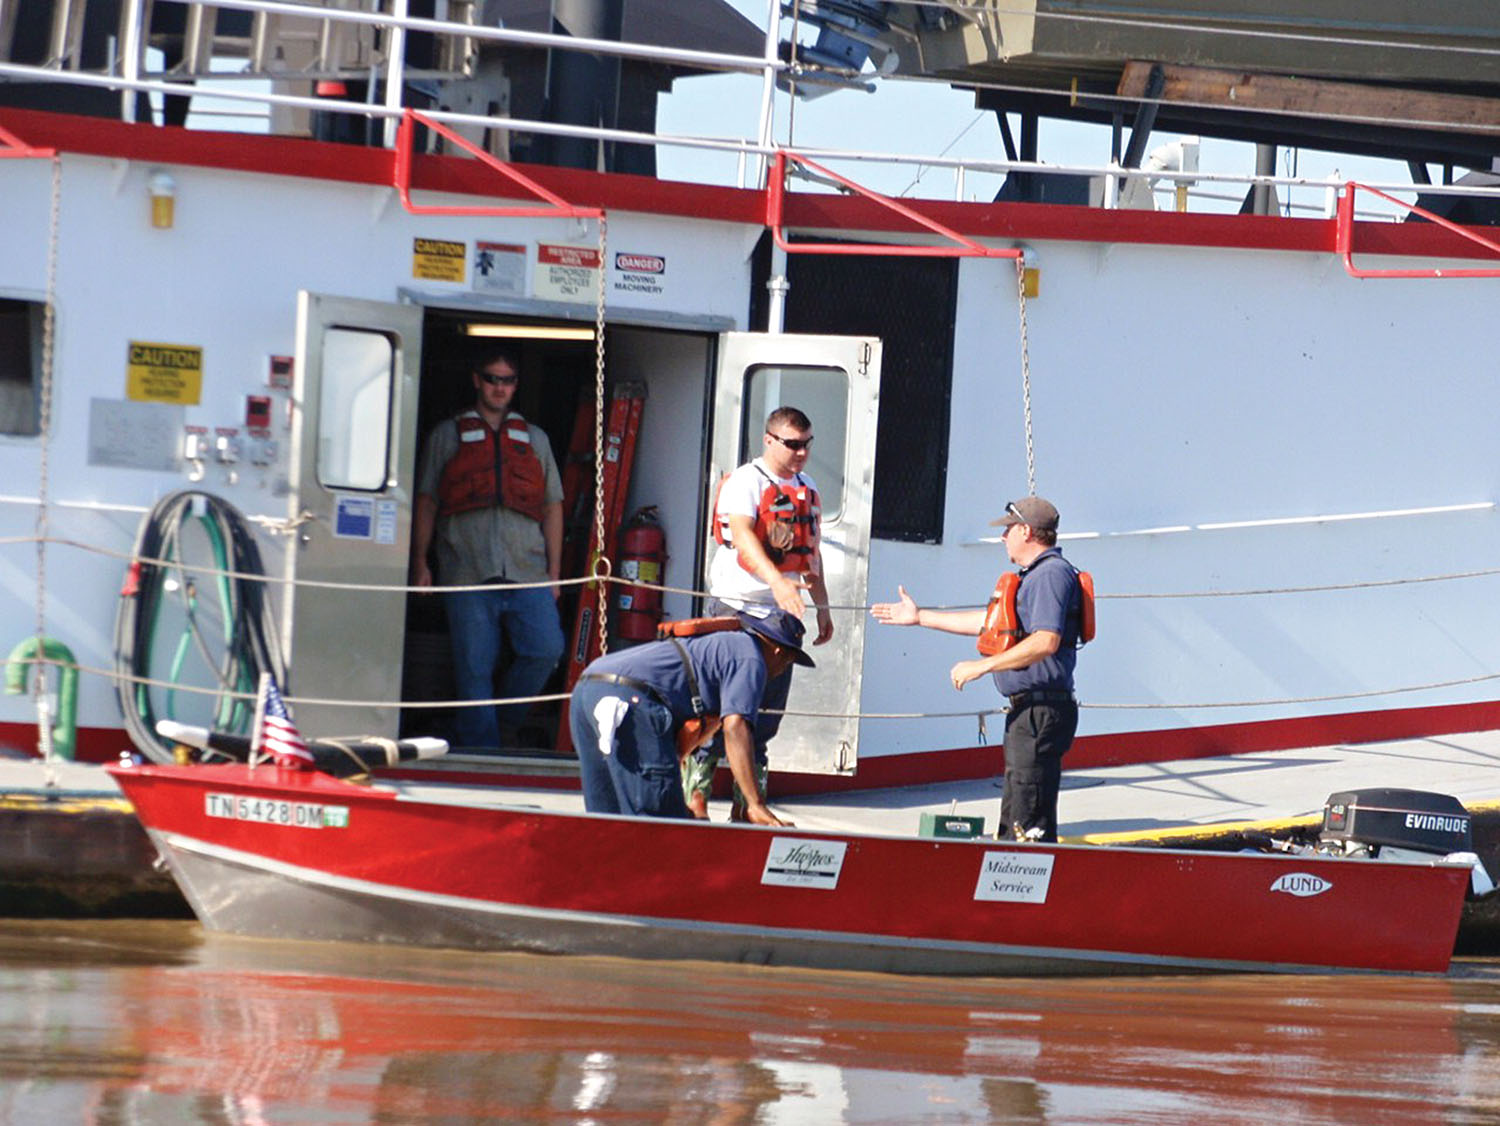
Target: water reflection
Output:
[(156, 1022)]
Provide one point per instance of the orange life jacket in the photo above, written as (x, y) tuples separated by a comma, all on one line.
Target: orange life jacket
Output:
[(469, 479), (787, 522), (695, 627), (1002, 626)]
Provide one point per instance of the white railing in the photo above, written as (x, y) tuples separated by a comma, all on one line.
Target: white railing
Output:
[(212, 60)]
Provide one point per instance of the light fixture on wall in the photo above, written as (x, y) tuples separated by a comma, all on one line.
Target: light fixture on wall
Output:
[(162, 189), (528, 332)]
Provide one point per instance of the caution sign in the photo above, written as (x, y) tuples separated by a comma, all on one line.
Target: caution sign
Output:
[(434, 259), (567, 273), (163, 373)]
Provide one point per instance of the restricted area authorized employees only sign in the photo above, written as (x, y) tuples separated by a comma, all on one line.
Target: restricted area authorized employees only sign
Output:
[(567, 273), (163, 373)]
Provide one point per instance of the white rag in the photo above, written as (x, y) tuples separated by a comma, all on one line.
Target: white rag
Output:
[(608, 713)]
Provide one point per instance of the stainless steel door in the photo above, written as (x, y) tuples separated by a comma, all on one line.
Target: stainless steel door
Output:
[(352, 465), (835, 380)]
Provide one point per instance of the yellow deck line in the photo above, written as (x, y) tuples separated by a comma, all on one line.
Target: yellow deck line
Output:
[(1271, 826), (39, 801)]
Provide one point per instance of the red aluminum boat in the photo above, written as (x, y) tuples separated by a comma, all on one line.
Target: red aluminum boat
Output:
[(298, 854)]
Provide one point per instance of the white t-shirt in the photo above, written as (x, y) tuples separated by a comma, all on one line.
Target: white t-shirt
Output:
[(740, 496)]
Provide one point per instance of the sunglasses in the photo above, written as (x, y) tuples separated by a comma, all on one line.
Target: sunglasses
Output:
[(796, 445), (499, 380)]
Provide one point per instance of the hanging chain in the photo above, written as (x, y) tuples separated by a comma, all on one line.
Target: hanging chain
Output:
[(601, 562), (1026, 375)]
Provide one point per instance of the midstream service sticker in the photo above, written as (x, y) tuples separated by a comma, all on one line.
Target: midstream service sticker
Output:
[(1015, 877), (1301, 884), (804, 864), (274, 811)]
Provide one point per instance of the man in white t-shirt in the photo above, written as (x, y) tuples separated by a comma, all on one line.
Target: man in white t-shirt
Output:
[(767, 521)]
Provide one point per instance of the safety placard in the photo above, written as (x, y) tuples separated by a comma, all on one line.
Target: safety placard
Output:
[(639, 274), (434, 259), (163, 373), (354, 518), (500, 267), (567, 273)]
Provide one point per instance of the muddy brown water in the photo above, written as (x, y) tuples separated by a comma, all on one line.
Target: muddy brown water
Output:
[(160, 1022)]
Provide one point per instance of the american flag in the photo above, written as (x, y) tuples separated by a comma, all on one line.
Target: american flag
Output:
[(279, 735)]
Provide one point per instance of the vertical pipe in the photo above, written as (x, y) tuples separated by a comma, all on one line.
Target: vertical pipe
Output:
[(130, 55), (395, 66), (777, 284), (768, 88), (1265, 165)]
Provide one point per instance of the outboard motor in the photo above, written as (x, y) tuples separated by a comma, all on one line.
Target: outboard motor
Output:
[(1410, 825)]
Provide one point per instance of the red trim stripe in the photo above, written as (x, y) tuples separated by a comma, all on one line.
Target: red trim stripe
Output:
[(295, 156)]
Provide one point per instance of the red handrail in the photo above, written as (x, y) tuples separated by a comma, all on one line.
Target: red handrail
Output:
[(11, 145), (555, 206), (776, 198), (1344, 239)]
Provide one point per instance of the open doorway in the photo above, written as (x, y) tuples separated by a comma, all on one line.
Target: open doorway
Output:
[(671, 372)]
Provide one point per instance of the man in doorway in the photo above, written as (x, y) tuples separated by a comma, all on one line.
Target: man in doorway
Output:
[(767, 522), (489, 500), (635, 710), (1035, 673)]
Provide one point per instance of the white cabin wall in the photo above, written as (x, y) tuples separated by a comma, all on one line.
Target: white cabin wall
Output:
[(225, 277), (670, 448), (1184, 386)]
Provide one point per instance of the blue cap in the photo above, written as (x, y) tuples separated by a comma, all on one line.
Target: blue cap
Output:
[(776, 625)]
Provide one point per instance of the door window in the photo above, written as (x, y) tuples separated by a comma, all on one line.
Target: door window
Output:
[(818, 392), (354, 409)]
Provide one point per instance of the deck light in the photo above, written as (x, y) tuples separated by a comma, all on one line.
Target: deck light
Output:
[(163, 191)]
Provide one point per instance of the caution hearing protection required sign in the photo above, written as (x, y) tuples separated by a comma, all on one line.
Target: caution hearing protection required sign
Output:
[(164, 373)]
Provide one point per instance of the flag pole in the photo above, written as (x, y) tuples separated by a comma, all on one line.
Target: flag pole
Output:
[(258, 728)]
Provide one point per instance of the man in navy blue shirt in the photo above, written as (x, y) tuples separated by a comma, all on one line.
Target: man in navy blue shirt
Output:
[(629, 708), (1035, 673)]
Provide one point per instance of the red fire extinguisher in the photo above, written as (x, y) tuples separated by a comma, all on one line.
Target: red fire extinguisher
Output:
[(643, 557)]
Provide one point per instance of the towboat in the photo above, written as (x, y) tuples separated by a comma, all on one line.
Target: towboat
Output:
[(297, 854)]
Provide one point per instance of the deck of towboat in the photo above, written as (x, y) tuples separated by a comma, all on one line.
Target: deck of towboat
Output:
[(1142, 802)]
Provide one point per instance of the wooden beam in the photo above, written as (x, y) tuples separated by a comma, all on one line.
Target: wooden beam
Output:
[(1307, 97)]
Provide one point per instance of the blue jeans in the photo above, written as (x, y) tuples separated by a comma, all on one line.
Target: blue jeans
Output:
[(641, 776), (478, 620)]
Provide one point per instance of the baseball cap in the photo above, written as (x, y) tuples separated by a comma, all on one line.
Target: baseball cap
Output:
[(1031, 511), (778, 626)]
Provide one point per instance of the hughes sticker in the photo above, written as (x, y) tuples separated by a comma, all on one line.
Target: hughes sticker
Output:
[(1301, 884), (804, 864), (1014, 877)]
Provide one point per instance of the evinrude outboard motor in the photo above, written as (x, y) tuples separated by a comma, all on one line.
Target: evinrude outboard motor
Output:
[(1410, 825)]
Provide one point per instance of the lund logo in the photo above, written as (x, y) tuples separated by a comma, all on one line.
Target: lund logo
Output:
[(1301, 884)]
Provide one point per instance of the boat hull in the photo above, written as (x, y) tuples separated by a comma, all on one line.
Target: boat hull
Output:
[(295, 855)]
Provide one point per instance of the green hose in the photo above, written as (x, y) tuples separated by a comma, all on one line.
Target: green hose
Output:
[(65, 731)]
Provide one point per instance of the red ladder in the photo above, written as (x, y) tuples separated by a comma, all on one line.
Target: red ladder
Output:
[(621, 429)]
